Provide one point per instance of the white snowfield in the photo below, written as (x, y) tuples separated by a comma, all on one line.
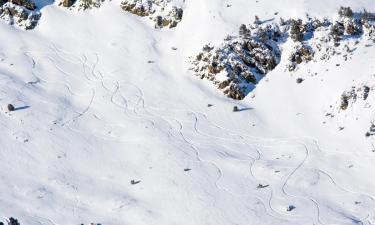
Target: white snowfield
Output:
[(102, 98)]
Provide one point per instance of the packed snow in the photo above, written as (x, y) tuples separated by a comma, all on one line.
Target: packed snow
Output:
[(110, 126)]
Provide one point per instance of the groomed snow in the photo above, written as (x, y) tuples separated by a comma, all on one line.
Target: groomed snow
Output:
[(103, 99)]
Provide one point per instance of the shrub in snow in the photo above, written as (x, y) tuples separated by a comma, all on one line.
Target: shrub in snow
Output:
[(337, 31), (297, 30), (164, 13), (345, 101), (67, 3), (301, 53), (346, 24), (366, 91), (345, 12), (244, 32), (89, 4), (13, 221), (82, 4)]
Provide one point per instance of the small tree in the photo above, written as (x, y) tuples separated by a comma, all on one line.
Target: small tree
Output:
[(244, 32), (345, 12), (296, 30)]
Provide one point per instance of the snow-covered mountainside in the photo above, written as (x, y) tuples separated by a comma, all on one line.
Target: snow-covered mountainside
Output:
[(105, 121)]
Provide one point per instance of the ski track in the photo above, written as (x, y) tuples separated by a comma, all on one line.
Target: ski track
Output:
[(188, 143)]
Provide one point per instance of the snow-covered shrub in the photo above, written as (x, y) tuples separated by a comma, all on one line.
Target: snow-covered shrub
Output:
[(368, 21), (67, 3), (81, 4), (345, 12), (89, 4), (297, 30), (13, 221), (164, 13), (346, 24), (301, 53), (337, 31)]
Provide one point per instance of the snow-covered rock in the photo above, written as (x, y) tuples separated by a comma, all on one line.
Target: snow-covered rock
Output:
[(23, 14), (81, 4), (163, 13), (241, 61)]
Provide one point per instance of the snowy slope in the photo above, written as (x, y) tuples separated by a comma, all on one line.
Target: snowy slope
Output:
[(102, 99)]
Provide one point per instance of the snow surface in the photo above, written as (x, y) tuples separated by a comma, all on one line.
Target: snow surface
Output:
[(103, 99)]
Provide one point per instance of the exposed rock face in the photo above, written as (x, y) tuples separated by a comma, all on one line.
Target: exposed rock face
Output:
[(162, 12), (237, 65), (22, 13), (240, 62)]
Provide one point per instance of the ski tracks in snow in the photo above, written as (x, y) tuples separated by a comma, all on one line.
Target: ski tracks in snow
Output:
[(270, 171)]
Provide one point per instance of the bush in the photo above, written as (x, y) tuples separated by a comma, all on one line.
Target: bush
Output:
[(345, 12), (296, 30)]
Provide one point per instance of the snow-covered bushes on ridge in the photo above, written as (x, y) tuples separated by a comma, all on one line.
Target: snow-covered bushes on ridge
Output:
[(164, 13), (22, 13), (241, 61)]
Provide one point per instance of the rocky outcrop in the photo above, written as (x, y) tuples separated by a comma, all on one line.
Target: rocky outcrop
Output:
[(163, 13), (322, 39), (350, 97), (238, 65), (25, 3), (241, 61), (22, 13)]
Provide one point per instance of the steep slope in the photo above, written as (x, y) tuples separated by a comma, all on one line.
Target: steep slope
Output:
[(112, 100)]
